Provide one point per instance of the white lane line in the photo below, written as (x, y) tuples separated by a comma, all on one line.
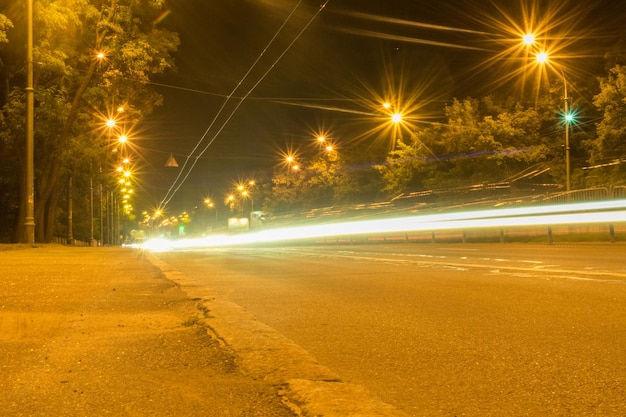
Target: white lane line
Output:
[(556, 272)]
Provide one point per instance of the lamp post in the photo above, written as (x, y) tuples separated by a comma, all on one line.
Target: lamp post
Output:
[(29, 177), (92, 241), (229, 201), (396, 119), (211, 205), (542, 57), (568, 119), (246, 195)]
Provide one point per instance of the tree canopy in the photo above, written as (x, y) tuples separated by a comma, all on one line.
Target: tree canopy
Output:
[(94, 60), (480, 142), (92, 57), (608, 150)]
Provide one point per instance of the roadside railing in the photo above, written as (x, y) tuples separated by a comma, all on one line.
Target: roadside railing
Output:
[(419, 204)]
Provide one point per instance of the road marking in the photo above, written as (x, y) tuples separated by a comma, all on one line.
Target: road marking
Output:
[(558, 272)]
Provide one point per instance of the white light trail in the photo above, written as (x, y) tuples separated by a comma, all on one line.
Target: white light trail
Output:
[(612, 211)]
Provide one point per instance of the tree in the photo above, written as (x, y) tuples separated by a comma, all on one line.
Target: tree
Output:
[(286, 190), (481, 142), (609, 147), (92, 56), (406, 165), (324, 181), (8, 184)]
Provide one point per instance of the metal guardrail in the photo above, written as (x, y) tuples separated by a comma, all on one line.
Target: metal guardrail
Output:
[(415, 205), (419, 202)]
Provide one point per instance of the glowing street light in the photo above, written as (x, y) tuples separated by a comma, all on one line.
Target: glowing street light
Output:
[(246, 195), (211, 205), (529, 39), (290, 161), (542, 57), (230, 201)]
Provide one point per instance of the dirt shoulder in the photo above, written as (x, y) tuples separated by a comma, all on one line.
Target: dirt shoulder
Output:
[(101, 331)]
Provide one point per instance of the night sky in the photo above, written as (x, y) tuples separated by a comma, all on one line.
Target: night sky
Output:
[(340, 68)]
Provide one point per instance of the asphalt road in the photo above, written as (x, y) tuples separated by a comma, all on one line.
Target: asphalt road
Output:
[(445, 330)]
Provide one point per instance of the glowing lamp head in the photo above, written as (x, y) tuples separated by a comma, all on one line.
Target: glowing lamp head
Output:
[(529, 39), (542, 57)]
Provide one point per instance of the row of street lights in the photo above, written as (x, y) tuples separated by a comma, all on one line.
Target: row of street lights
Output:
[(243, 190), (541, 57), (29, 224), (290, 159), (119, 199)]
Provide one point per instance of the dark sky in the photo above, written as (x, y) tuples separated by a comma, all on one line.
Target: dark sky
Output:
[(351, 56)]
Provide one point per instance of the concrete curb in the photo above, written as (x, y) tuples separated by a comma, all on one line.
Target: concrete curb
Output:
[(308, 388)]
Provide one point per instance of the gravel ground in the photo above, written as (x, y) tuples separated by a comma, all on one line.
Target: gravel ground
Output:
[(101, 331)]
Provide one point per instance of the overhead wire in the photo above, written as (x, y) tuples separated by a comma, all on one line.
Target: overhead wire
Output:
[(175, 185), (184, 173)]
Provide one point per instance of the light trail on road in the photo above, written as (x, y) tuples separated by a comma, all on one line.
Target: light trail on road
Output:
[(612, 211)]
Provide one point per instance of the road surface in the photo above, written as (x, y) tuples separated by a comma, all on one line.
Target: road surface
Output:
[(445, 330)]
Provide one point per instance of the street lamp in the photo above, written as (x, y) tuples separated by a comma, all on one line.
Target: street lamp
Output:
[(245, 194), (542, 58), (230, 202), (568, 119), (29, 175), (290, 161), (211, 205)]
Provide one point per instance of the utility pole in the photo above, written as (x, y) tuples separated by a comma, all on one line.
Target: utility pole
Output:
[(29, 177), (568, 119)]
